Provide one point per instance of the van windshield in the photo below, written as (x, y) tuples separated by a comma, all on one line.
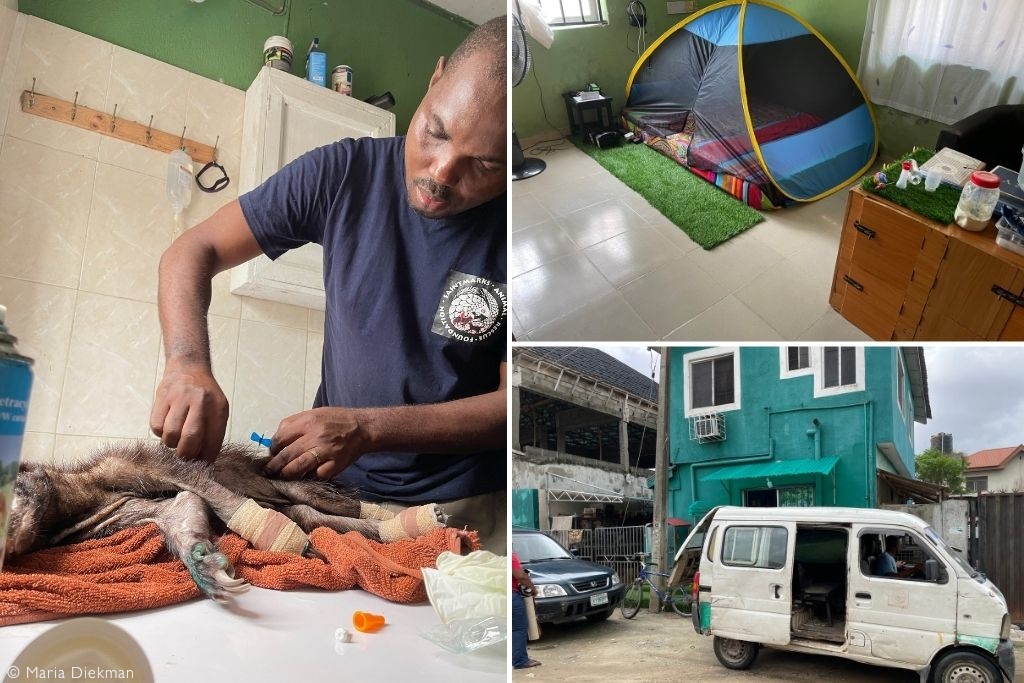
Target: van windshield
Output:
[(937, 540)]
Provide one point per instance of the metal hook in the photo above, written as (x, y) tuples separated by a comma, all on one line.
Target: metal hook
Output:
[(181, 140), (216, 142), (149, 133), (32, 94), (74, 107), (113, 118)]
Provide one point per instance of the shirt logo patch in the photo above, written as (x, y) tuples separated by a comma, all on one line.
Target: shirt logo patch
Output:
[(471, 308)]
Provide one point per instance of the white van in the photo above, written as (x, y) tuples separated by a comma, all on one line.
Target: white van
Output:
[(810, 580)]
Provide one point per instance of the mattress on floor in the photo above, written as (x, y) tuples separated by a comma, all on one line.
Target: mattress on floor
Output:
[(720, 152)]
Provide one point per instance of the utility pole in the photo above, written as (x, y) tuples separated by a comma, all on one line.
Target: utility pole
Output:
[(660, 477)]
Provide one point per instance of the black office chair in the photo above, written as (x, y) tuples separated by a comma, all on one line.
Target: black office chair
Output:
[(992, 135)]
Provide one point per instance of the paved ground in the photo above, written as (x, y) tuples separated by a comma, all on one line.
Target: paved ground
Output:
[(664, 647)]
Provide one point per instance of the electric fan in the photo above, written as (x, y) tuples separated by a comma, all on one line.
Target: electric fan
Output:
[(522, 166)]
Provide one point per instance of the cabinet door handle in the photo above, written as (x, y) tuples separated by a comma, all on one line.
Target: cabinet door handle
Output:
[(853, 283), (863, 229), (1014, 299)]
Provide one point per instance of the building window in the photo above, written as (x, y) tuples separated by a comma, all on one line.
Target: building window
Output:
[(795, 361), (839, 370), (840, 366), (572, 12), (712, 381), (977, 484)]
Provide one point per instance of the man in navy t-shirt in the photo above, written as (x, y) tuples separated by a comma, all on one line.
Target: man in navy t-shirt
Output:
[(411, 405)]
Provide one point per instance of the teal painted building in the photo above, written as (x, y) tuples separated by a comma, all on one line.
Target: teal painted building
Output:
[(792, 426)]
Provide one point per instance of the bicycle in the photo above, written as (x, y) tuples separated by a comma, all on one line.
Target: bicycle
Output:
[(675, 596)]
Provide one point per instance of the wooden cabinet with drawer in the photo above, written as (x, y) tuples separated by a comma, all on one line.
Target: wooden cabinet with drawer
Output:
[(887, 262), (900, 276)]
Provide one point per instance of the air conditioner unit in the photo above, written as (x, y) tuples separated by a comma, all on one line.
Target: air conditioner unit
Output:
[(707, 427)]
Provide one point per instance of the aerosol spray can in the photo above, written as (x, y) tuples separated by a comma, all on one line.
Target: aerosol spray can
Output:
[(15, 385)]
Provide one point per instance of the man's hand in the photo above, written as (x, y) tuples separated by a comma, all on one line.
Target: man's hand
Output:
[(321, 441), (190, 413)]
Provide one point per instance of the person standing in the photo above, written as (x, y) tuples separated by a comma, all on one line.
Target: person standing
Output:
[(520, 627)]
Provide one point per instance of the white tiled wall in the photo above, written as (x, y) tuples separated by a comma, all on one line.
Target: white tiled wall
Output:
[(83, 221)]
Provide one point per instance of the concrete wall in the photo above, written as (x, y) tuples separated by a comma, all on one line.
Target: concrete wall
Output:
[(531, 470), (948, 518)]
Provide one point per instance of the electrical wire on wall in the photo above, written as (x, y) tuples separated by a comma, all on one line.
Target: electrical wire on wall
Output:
[(636, 14)]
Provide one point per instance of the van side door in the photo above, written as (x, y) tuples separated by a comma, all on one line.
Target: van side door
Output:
[(895, 619), (752, 581)]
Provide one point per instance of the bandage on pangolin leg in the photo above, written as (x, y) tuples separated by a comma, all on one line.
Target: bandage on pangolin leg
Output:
[(374, 511), (267, 529), (412, 523)]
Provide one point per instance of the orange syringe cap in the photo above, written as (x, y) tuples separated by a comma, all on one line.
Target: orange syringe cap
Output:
[(367, 622)]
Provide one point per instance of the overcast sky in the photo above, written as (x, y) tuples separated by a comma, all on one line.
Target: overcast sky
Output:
[(976, 392)]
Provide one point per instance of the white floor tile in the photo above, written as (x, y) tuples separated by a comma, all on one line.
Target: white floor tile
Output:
[(634, 253), (590, 259), (555, 289), (598, 222), (537, 245), (728, 320), (784, 299), (608, 318), (672, 295)]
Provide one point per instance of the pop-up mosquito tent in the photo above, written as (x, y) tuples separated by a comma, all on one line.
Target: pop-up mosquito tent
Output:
[(749, 97)]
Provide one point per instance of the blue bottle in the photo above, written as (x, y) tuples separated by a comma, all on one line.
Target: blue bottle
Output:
[(316, 64), (15, 385)]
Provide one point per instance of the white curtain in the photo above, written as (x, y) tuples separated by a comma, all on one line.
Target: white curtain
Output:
[(943, 59)]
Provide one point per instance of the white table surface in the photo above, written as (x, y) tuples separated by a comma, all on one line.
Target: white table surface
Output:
[(287, 636)]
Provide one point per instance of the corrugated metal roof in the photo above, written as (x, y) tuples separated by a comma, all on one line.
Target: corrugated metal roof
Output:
[(599, 365), (992, 457), (775, 468)]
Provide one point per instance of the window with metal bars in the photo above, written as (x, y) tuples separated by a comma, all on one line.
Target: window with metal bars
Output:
[(573, 12)]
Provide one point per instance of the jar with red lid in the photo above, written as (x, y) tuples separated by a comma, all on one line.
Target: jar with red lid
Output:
[(977, 201)]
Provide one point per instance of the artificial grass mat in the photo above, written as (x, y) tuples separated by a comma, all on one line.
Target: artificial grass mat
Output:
[(701, 210), (938, 205)]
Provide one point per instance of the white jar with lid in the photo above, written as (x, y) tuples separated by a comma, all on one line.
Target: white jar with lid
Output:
[(977, 201)]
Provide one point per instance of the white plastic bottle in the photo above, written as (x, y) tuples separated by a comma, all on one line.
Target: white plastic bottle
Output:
[(1020, 175), (179, 182)]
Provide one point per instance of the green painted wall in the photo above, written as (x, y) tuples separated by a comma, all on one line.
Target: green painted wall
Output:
[(390, 44), (776, 415), (600, 55)]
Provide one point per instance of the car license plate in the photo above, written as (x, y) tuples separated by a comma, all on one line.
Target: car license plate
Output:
[(599, 599)]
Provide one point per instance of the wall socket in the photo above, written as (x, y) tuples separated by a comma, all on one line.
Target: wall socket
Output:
[(682, 7)]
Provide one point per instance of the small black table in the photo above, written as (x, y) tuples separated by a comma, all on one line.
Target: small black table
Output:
[(576, 109)]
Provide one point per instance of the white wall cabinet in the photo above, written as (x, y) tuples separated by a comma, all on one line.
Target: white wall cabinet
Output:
[(285, 116)]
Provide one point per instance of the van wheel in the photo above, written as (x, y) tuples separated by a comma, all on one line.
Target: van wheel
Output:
[(966, 667), (735, 654)]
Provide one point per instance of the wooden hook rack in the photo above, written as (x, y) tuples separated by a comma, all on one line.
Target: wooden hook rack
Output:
[(75, 114)]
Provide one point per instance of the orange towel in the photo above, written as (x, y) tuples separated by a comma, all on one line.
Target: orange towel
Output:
[(131, 570)]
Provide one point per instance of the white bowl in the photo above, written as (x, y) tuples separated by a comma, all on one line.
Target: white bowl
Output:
[(75, 648)]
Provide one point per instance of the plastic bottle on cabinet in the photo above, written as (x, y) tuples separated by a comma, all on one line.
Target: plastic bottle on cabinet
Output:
[(1020, 175), (977, 201)]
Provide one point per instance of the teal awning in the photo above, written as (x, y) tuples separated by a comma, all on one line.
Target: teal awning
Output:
[(776, 468)]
